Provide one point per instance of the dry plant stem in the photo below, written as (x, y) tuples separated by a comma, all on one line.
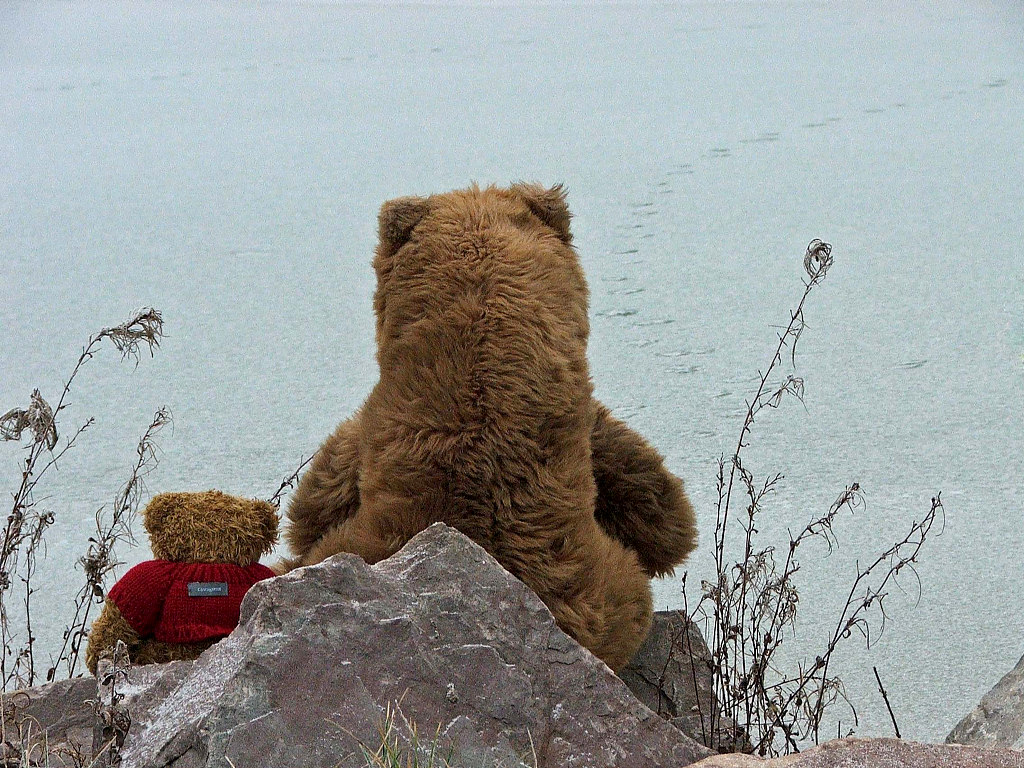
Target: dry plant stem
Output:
[(727, 633), (817, 260), (765, 696), (902, 554), (25, 525), (750, 608), (113, 720), (885, 697), (100, 559), (687, 616), (25, 743), (288, 483)]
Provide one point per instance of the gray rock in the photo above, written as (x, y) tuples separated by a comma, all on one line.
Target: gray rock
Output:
[(440, 636), (672, 675), (51, 722), (877, 753), (139, 690), (998, 721)]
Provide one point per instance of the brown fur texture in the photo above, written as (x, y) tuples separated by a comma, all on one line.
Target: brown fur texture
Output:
[(483, 419), (205, 527), (111, 626), (639, 502), (209, 527)]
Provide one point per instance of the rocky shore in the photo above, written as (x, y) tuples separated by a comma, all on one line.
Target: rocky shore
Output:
[(437, 645)]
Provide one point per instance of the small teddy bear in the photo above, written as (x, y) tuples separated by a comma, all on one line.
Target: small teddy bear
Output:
[(207, 548)]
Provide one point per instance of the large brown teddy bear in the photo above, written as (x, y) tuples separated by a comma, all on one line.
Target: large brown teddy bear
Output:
[(483, 419), (207, 548)]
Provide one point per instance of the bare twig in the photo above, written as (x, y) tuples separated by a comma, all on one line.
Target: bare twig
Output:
[(888, 706), (693, 671), (288, 483), (113, 720), (100, 558)]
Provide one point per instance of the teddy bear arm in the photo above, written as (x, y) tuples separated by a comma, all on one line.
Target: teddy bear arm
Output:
[(639, 502), (109, 627), (328, 493)]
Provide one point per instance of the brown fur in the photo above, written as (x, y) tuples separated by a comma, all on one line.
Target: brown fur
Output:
[(483, 419), (209, 527), (206, 527), (639, 502), (111, 626)]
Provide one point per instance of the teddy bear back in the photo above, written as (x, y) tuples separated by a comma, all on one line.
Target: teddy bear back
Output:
[(210, 527)]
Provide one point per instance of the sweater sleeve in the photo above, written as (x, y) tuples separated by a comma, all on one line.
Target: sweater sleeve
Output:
[(140, 594)]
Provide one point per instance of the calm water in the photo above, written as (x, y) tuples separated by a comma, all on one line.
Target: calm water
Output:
[(225, 163)]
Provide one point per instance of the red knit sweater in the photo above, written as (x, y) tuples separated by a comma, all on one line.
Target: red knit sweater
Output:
[(184, 602)]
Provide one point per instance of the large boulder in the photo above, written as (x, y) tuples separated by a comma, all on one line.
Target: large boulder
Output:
[(877, 753), (998, 721), (440, 636)]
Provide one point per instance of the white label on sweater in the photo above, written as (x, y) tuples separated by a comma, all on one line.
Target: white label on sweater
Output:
[(207, 589)]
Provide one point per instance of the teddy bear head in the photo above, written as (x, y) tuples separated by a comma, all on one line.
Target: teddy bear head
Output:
[(209, 527), (437, 255)]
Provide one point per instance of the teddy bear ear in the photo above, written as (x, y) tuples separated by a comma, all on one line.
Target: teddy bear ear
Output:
[(398, 218), (160, 507), (548, 205)]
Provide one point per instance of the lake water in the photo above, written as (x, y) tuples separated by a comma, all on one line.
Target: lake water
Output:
[(224, 162)]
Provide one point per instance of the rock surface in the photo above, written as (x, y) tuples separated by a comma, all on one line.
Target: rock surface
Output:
[(51, 722), (439, 636), (877, 753), (140, 690), (998, 721), (321, 654), (672, 675)]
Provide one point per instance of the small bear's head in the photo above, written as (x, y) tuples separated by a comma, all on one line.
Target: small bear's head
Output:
[(209, 527), (489, 244)]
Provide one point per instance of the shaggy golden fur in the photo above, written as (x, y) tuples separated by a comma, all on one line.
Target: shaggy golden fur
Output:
[(483, 419), (206, 527)]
